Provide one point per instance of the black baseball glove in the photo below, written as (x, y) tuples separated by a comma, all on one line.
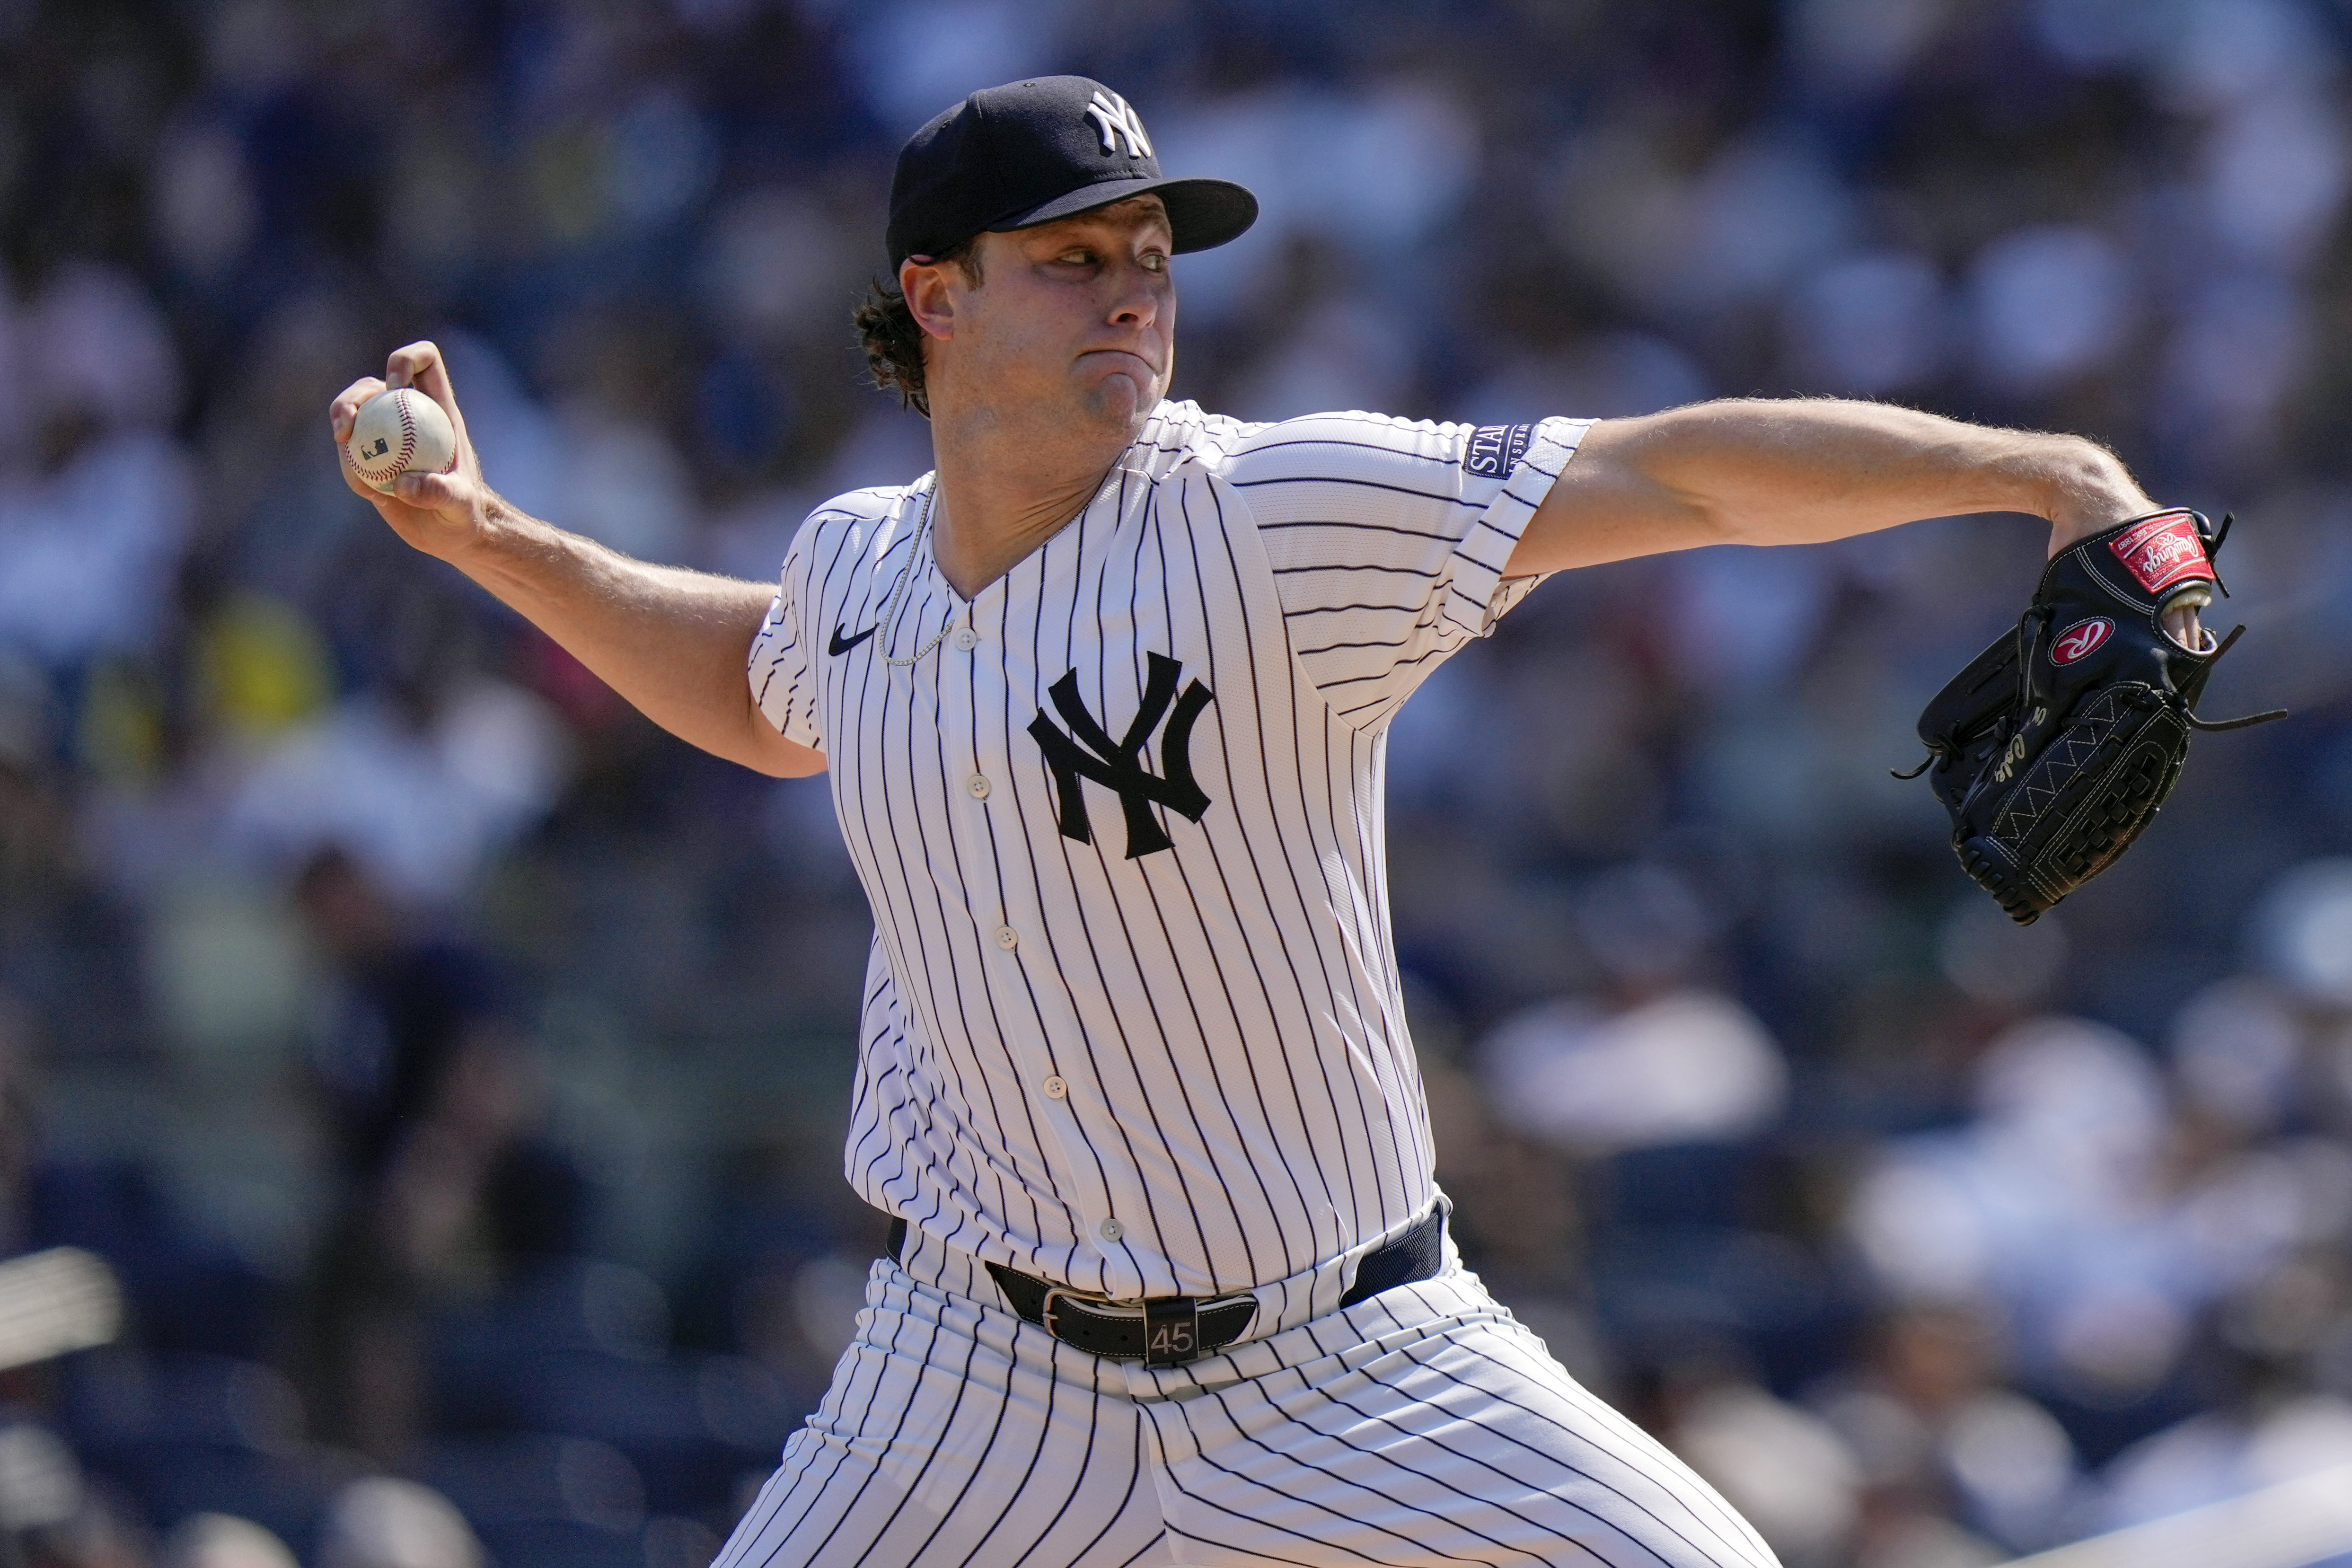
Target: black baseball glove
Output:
[(2054, 749)]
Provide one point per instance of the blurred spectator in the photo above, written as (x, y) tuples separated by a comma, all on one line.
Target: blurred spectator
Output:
[(448, 1192), (382, 1522), (423, 784), (2212, 1457), (1787, 1470), (1667, 1063), (2304, 930), (2053, 1204), (1939, 1439), (224, 1541), (1683, 1068)]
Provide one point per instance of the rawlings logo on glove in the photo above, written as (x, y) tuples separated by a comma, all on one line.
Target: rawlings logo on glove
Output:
[(2050, 766), (2081, 640), (2163, 549)]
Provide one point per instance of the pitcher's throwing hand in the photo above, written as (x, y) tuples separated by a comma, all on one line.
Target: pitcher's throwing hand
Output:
[(433, 510)]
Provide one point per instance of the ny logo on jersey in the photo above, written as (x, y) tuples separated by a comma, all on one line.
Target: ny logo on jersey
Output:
[(1114, 119), (1118, 765)]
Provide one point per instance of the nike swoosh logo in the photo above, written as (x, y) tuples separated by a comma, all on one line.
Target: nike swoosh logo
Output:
[(841, 645)]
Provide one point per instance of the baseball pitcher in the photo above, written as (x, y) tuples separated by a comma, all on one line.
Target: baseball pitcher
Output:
[(1103, 699)]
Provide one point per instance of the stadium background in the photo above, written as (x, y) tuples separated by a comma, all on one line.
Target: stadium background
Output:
[(453, 1066)]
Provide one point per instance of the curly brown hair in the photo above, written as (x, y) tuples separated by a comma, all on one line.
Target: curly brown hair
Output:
[(894, 343)]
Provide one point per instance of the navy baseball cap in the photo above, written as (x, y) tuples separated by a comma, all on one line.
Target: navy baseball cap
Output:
[(1031, 152)]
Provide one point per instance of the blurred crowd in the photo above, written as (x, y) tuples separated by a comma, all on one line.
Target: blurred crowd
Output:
[(452, 1068)]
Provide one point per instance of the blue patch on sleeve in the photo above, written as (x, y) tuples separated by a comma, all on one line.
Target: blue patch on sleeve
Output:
[(1495, 449)]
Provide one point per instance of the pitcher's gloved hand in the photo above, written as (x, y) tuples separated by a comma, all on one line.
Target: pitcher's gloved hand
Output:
[(2054, 749)]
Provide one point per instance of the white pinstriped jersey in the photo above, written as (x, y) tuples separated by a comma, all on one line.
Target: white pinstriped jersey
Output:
[(1131, 1018)]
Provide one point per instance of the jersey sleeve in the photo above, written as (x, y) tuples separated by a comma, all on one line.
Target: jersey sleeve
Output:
[(1388, 538), (783, 666)]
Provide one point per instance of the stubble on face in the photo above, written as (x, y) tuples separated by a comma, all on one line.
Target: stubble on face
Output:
[(1073, 326)]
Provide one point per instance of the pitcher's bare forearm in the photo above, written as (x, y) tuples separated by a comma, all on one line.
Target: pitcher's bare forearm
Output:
[(672, 641), (1805, 471)]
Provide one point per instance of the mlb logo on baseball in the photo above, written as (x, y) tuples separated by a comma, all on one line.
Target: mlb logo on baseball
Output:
[(2081, 640)]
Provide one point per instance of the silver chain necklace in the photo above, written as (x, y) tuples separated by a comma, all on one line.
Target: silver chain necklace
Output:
[(906, 576)]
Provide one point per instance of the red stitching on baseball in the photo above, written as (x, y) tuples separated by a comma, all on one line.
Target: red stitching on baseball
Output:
[(407, 435)]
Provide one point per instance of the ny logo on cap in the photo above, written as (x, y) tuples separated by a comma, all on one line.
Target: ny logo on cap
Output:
[(1113, 119)]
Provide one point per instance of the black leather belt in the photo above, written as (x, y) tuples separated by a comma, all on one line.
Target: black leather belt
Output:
[(1168, 1331)]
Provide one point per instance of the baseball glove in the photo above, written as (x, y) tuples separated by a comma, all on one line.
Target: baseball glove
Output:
[(2054, 749)]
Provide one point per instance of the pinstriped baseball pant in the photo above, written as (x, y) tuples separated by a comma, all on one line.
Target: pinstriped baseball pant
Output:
[(1424, 1426)]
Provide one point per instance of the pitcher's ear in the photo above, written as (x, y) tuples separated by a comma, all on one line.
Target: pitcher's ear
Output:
[(929, 300)]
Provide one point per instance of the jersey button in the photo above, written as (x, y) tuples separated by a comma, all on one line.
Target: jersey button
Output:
[(1057, 1088), (1111, 1230), (977, 785), (1007, 938), (965, 639)]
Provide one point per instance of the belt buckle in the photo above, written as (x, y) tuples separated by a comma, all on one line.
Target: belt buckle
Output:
[(1053, 1292)]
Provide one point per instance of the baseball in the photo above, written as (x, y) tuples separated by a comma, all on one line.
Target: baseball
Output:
[(399, 430)]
